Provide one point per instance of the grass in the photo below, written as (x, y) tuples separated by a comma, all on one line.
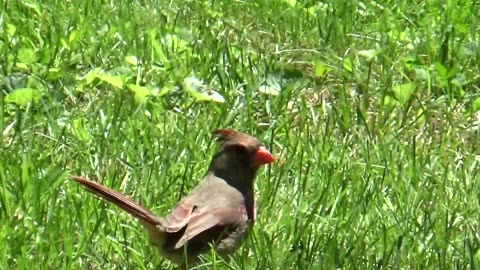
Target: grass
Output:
[(371, 108)]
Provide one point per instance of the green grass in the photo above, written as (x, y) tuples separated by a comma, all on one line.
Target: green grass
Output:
[(372, 109)]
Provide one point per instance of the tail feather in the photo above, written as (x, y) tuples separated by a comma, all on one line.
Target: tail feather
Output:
[(112, 196)]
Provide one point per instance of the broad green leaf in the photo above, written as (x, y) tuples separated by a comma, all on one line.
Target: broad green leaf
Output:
[(141, 92), (193, 85), (461, 28), (23, 96), (476, 105), (269, 90), (409, 62), (476, 257), (116, 81), (272, 85), (452, 72), (91, 75), (389, 102), (211, 95), (316, 8), (166, 89), (27, 56), (23, 66), (347, 65), (369, 54), (123, 71), (321, 69), (459, 80), (64, 44), (73, 36), (11, 29), (196, 88), (403, 92), (54, 73), (420, 74), (132, 60), (291, 2), (441, 70)]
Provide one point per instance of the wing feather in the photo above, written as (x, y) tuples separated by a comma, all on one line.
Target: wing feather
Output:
[(209, 219)]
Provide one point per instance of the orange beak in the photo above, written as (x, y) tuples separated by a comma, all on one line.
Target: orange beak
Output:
[(263, 157)]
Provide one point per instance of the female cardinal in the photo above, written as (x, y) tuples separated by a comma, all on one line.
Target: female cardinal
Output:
[(218, 212)]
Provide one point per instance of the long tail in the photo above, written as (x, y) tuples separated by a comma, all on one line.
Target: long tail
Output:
[(112, 196)]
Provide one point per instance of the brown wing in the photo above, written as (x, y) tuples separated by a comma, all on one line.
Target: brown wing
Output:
[(220, 218), (179, 216)]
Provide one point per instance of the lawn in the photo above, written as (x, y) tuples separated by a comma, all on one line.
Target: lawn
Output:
[(372, 109)]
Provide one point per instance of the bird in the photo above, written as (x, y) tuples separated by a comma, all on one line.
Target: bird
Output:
[(218, 213)]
